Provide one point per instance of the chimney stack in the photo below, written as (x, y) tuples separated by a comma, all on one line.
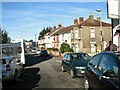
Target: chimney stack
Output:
[(81, 19), (54, 27), (76, 21), (59, 25), (51, 29), (91, 17)]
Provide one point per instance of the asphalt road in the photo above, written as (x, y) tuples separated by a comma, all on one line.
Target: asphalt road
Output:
[(44, 72)]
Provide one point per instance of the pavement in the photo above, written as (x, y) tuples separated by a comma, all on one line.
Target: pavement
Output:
[(58, 59)]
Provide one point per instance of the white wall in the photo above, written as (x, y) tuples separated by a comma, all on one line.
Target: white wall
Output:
[(67, 36), (115, 38)]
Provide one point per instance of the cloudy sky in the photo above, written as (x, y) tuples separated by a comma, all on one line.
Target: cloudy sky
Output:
[(25, 19)]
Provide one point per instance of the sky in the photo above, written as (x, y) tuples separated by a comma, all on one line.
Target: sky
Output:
[(25, 19)]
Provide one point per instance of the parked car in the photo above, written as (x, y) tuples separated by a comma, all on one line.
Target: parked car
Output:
[(43, 53), (37, 51), (11, 68), (103, 71), (75, 63), (33, 50)]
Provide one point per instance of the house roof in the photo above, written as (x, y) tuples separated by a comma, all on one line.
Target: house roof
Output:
[(89, 22), (51, 31), (64, 30)]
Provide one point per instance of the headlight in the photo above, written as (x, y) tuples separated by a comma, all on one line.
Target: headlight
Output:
[(80, 67)]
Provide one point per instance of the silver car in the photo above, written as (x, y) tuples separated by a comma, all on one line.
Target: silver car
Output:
[(11, 68)]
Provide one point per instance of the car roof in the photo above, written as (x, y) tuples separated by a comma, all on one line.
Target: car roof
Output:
[(76, 53), (112, 52), (7, 57)]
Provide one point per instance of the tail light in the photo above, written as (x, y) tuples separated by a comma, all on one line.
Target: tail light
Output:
[(19, 50), (8, 68)]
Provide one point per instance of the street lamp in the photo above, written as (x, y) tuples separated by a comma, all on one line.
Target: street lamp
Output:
[(101, 36), (35, 41)]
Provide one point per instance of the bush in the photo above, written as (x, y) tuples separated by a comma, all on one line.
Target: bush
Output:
[(65, 47)]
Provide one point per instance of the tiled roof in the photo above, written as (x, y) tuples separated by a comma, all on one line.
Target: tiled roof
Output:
[(87, 22), (94, 22), (51, 31), (64, 30)]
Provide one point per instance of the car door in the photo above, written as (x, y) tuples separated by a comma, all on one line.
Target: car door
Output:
[(92, 70), (64, 61), (69, 63), (19, 65), (109, 71)]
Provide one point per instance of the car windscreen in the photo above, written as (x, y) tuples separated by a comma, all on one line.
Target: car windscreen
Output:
[(86, 56), (81, 56), (43, 51)]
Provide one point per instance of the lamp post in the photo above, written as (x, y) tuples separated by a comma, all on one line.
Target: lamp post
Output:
[(35, 41), (101, 36)]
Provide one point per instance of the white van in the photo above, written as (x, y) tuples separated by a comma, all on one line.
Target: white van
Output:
[(14, 49), (22, 45)]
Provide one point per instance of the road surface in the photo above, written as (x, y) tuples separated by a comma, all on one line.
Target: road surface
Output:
[(43, 72)]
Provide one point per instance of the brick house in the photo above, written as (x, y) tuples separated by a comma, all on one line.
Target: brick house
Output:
[(88, 37), (63, 34), (84, 35), (55, 36)]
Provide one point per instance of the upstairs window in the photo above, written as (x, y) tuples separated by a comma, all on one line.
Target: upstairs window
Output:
[(92, 33), (62, 36), (76, 34)]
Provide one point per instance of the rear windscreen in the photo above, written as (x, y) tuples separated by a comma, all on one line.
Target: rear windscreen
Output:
[(7, 50)]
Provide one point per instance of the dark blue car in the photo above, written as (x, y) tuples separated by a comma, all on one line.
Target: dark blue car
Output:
[(103, 72), (75, 63)]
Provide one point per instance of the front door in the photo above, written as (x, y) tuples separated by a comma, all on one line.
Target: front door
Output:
[(93, 48)]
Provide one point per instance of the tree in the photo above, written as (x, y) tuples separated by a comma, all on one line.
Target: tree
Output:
[(4, 36), (65, 47), (43, 32)]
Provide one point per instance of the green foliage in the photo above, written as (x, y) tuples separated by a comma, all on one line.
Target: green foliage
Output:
[(4, 36), (43, 32), (65, 47)]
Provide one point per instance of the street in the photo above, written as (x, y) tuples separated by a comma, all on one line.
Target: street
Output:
[(43, 72)]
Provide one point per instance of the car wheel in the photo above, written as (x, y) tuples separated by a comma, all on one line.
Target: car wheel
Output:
[(72, 74), (63, 70), (86, 85)]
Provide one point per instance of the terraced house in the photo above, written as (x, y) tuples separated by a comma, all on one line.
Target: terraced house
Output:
[(83, 35)]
